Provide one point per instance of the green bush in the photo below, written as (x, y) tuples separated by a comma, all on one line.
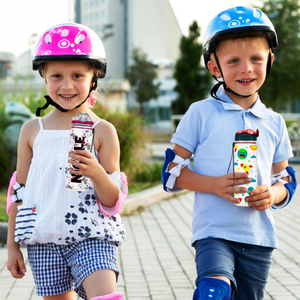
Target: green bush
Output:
[(129, 126), (148, 173)]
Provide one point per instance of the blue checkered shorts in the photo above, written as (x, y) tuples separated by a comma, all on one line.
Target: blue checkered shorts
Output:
[(58, 269)]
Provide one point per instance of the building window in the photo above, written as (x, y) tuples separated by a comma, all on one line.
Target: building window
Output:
[(103, 14), (86, 5), (91, 3), (91, 17), (97, 2)]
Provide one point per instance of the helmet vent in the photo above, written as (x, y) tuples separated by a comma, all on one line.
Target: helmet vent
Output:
[(48, 39), (257, 14), (240, 10), (225, 17), (65, 32), (79, 39)]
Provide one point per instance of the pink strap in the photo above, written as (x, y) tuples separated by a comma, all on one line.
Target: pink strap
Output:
[(112, 296), (9, 201), (110, 211)]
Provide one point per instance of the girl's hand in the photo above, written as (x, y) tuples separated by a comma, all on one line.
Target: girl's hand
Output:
[(261, 198), (224, 186), (15, 263), (85, 162)]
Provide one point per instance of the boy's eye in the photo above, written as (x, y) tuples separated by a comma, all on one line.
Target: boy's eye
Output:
[(255, 58), (56, 76), (234, 61)]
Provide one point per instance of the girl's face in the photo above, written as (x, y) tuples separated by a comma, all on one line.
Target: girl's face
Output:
[(68, 83)]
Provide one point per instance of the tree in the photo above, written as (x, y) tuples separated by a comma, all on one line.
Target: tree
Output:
[(193, 80), (282, 85), (141, 75)]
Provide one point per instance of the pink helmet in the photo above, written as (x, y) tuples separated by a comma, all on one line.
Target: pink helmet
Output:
[(70, 41)]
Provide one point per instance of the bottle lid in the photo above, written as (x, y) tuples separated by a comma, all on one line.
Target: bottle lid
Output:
[(247, 135)]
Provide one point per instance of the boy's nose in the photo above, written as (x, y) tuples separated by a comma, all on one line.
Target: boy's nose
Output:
[(246, 67)]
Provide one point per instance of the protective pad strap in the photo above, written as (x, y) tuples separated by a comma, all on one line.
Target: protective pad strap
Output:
[(212, 289), (121, 180), (290, 186), (15, 192), (169, 176), (112, 296)]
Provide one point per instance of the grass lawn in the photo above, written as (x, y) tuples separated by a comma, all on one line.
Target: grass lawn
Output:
[(3, 214), (133, 188)]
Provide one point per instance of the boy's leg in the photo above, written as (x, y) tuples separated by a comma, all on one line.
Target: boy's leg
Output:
[(215, 262), (251, 272)]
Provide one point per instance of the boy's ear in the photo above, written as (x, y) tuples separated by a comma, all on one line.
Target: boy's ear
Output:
[(213, 68)]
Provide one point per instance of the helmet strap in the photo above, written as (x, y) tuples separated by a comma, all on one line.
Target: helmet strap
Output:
[(49, 101)]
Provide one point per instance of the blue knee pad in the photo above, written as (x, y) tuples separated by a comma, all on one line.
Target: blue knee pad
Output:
[(212, 289)]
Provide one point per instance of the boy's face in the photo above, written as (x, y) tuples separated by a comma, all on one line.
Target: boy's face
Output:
[(243, 63)]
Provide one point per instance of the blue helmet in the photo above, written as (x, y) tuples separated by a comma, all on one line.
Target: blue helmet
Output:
[(238, 21)]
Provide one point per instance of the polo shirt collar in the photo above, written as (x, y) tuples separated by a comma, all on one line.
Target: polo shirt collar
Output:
[(258, 109)]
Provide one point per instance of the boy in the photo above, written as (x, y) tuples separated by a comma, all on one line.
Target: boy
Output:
[(233, 244)]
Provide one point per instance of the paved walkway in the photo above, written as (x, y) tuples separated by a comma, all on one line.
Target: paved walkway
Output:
[(157, 262)]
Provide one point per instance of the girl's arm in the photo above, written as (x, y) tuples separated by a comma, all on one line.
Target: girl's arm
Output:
[(107, 144), (222, 185), (15, 263)]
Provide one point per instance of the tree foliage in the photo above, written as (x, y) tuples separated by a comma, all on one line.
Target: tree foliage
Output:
[(193, 80), (141, 75), (282, 85)]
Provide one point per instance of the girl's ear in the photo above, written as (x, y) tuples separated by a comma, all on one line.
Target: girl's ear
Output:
[(213, 68)]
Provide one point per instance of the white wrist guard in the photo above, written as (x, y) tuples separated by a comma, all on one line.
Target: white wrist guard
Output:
[(169, 176), (290, 186)]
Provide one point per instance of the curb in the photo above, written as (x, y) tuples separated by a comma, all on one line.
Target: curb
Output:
[(132, 203)]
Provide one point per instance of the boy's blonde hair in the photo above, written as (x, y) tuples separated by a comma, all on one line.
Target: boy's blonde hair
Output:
[(255, 40)]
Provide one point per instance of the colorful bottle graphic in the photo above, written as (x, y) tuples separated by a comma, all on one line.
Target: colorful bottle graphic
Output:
[(81, 138), (245, 160)]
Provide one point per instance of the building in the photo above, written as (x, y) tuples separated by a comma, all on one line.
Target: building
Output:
[(124, 24), (6, 65)]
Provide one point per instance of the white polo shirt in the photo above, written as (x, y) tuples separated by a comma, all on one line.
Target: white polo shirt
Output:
[(208, 130)]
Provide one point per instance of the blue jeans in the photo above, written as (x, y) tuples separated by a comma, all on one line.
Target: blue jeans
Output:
[(247, 266)]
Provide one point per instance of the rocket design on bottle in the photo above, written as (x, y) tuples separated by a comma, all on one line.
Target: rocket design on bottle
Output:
[(245, 160), (81, 138)]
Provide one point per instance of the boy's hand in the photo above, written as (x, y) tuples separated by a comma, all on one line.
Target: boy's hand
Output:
[(224, 186), (261, 198), (15, 263)]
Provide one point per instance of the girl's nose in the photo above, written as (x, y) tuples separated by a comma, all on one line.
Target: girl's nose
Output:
[(67, 84)]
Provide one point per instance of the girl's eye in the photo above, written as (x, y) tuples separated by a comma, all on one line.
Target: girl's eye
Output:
[(77, 76)]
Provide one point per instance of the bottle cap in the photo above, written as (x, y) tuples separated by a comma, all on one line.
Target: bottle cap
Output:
[(247, 135)]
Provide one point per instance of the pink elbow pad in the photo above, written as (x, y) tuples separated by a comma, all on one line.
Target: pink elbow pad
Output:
[(10, 201), (121, 179)]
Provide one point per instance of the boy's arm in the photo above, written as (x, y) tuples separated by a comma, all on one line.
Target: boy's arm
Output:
[(223, 186), (264, 196)]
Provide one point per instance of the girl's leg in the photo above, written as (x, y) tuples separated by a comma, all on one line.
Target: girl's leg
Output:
[(66, 296), (100, 283)]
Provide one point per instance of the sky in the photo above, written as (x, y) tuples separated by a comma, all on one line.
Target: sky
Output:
[(19, 19)]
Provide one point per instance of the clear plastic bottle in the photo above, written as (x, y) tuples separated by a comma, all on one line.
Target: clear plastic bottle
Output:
[(245, 160), (81, 138)]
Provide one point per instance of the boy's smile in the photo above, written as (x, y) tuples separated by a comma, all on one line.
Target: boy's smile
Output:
[(243, 62)]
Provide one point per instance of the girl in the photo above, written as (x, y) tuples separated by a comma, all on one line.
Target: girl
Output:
[(71, 236)]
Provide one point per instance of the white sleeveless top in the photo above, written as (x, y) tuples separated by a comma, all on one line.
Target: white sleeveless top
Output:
[(51, 213)]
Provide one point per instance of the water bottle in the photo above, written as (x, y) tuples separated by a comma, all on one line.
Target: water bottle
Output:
[(81, 138), (245, 160)]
